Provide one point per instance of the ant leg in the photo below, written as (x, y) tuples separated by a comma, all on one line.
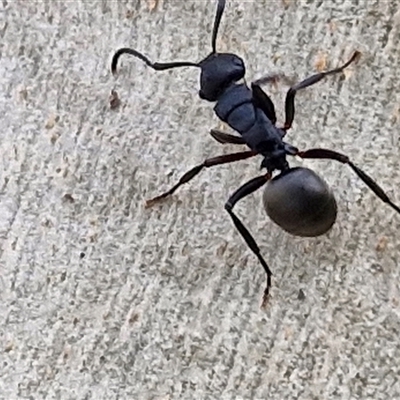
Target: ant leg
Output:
[(245, 190), (274, 79), (224, 138), (289, 103), (210, 162), (262, 101), (333, 155)]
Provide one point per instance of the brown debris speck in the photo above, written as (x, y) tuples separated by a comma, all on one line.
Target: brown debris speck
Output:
[(332, 26), (382, 244), (51, 121), (321, 62), (154, 4), (114, 100)]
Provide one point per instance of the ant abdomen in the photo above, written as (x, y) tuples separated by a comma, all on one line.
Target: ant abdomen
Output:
[(300, 202)]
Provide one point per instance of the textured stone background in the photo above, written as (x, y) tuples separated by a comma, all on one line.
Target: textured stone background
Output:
[(165, 302)]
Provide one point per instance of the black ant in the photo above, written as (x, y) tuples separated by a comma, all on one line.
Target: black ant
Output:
[(297, 199)]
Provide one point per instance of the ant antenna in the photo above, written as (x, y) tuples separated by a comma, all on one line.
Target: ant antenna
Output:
[(177, 64), (156, 66), (218, 15)]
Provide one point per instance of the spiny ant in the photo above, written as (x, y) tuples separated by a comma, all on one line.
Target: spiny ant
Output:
[(297, 199)]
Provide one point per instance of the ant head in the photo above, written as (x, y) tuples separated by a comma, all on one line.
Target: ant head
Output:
[(218, 71)]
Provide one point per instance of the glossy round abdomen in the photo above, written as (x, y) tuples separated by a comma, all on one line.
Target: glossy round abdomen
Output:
[(300, 202)]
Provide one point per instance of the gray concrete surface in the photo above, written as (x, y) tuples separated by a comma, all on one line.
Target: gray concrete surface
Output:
[(165, 302)]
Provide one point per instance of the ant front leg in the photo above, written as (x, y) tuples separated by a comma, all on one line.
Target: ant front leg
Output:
[(274, 79), (210, 162), (262, 101), (333, 155), (312, 80), (245, 190), (224, 138)]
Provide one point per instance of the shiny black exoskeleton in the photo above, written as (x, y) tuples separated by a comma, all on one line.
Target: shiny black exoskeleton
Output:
[(297, 199)]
